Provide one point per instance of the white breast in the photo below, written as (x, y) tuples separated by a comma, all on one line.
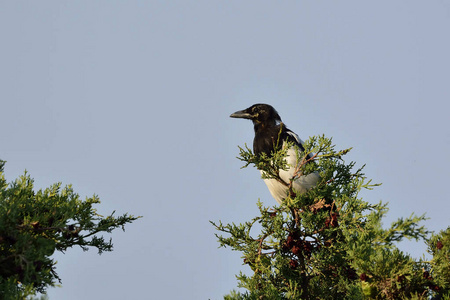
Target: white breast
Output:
[(302, 184)]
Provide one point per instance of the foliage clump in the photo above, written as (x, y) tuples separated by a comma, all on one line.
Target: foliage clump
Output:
[(329, 243), (33, 225)]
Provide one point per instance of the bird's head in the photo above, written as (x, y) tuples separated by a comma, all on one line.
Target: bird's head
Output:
[(260, 114)]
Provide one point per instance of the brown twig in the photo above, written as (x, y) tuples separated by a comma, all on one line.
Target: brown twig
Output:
[(261, 240)]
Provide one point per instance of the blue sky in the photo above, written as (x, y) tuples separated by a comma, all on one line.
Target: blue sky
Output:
[(131, 100)]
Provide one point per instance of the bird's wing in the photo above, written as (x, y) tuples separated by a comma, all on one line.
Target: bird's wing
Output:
[(296, 139)]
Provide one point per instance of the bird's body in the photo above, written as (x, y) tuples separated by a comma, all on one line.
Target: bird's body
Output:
[(268, 132)]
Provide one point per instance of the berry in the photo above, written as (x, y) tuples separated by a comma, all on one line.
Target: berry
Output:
[(296, 250), (293, 263)]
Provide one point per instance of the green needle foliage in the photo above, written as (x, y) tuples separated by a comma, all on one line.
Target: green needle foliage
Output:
[(328, 243), (33, 225)]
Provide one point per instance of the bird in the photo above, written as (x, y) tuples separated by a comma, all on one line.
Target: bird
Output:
[(268, 130)]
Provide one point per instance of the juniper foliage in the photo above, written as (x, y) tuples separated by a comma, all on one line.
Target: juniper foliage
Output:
[(33, 225), (329, 243)]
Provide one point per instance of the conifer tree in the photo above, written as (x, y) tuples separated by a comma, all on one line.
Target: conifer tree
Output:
[(33, 225), (329, 243)]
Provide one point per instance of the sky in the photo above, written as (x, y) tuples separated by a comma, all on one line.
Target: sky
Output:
[(130, 100)]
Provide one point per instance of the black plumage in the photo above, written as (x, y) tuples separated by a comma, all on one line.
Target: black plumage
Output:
[(271, 133)]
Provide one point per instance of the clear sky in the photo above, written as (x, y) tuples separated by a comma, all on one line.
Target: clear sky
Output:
[(131, 100)]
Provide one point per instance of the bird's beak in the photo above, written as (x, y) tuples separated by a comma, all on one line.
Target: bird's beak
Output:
[(241, 114)]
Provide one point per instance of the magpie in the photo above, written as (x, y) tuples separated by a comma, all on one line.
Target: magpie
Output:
[(268, 131)]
